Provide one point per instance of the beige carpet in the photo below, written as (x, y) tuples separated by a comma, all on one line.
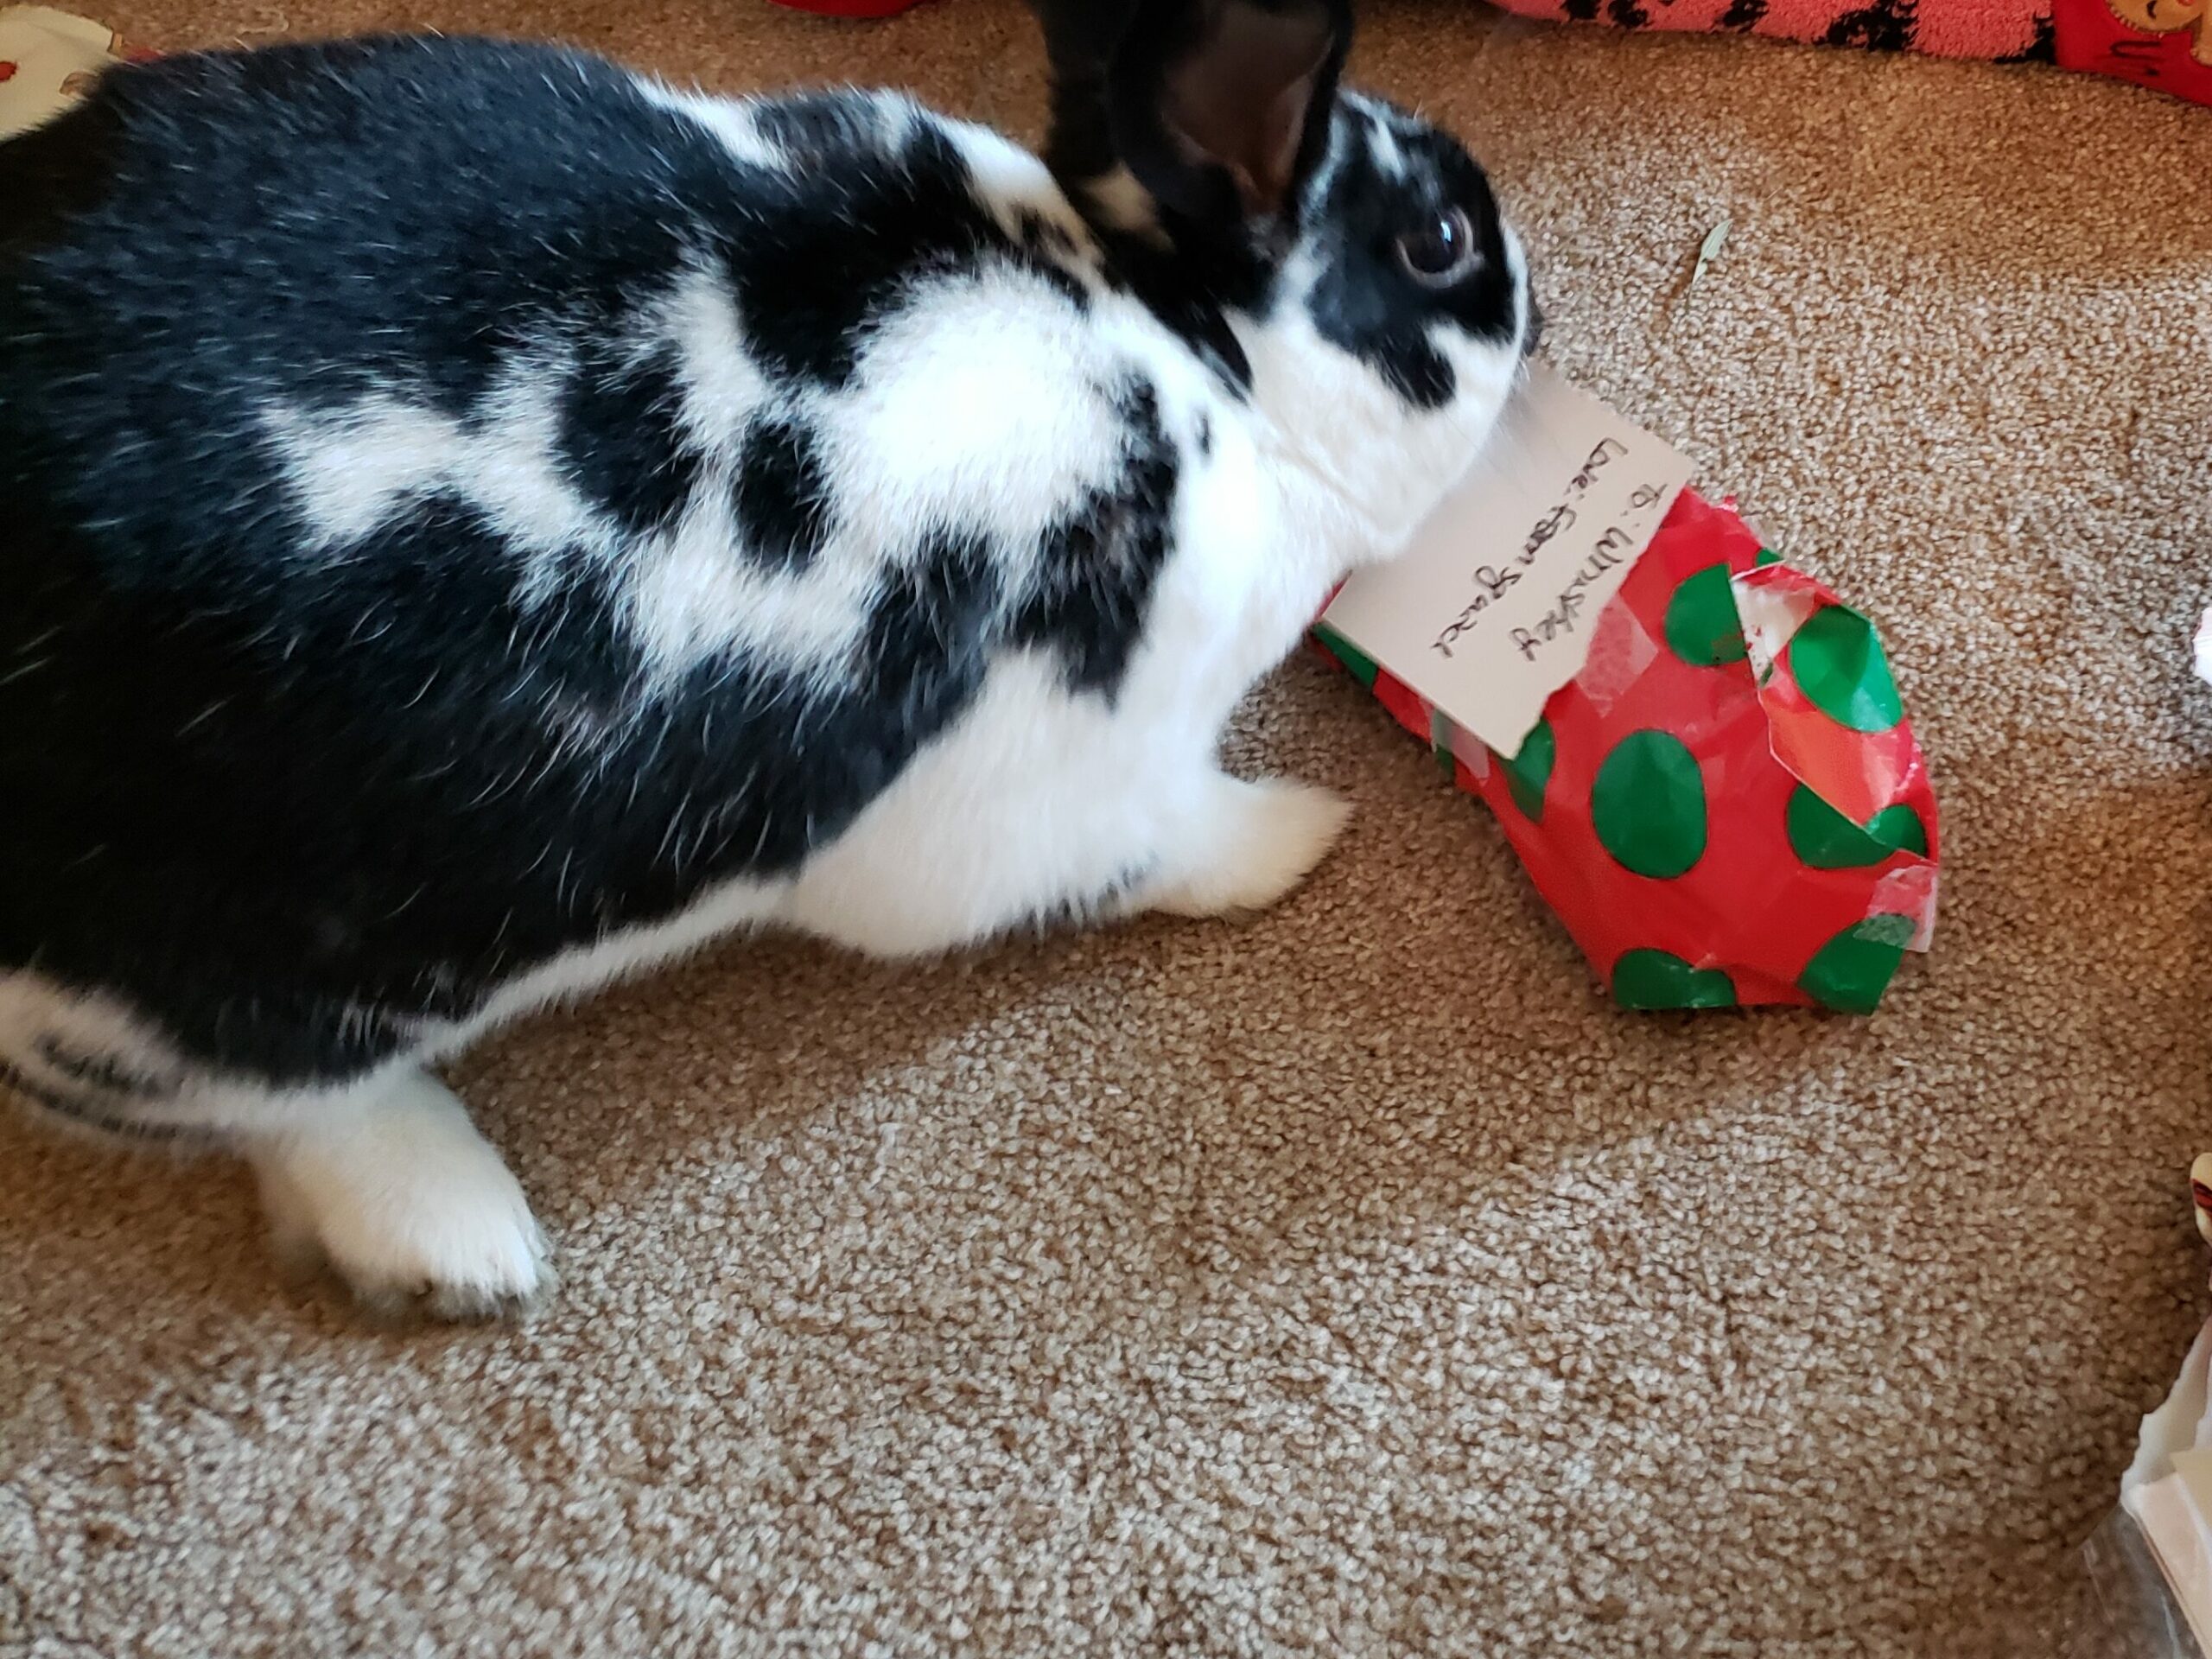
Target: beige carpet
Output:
[(1356, 1282)]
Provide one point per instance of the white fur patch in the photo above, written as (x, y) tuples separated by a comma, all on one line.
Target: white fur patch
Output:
[(1033, 799), (35, 1011), (511, 472), (1010, 182), (353, 469), (698, 593), (1390, 159), (722, 382), (949, 422), (730, 120), (899, 117)]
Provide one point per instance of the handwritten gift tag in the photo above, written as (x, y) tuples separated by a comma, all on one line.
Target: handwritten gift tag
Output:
[(1491, 610)]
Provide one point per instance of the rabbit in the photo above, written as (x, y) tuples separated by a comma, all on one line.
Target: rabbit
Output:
[(481, 523)]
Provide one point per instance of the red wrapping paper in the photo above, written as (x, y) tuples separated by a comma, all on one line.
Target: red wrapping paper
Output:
[(2166, 45), (1719, 821)]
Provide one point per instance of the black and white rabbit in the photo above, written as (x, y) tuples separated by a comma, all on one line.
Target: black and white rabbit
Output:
[(476, 522)]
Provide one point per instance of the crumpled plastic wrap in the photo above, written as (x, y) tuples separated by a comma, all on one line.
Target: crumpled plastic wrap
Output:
[(2144, 1584)]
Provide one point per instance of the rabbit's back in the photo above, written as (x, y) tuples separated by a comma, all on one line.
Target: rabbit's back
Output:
[(216, 244), (465, 504)]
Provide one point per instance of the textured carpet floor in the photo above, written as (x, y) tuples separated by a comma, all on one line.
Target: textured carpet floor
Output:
[(1354, 1282)]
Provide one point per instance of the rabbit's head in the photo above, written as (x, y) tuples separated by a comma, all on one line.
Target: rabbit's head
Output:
[(1372, 296)]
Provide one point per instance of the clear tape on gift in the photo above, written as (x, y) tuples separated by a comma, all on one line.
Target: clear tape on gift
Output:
[(2124, 1608), (2146, 1573), (2139, 1585)]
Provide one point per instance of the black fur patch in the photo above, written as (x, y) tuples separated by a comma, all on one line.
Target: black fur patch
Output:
[(1043, 237), (818, 128), (883, 225), (378, 813), (780, 494), (927, 641), (1097, 573), (1191, 289), (1366, 304), (1884, 26), (55, 179), (622, 436), (2043, 48)]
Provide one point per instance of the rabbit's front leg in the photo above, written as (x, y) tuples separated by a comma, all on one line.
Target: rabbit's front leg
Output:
[(397, 1191), (1241, 846)]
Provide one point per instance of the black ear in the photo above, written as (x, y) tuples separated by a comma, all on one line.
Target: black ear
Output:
[(1219, 108), (1081, 37)]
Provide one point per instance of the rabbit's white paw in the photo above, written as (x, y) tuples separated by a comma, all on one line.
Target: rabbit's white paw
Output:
[(1252, 843), (409, 1204)]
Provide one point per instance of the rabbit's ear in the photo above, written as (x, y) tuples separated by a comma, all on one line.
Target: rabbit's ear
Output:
[(1217, 108), (1225, 103)]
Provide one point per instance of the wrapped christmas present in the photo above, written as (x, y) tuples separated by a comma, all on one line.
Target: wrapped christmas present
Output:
[(1698, 752)]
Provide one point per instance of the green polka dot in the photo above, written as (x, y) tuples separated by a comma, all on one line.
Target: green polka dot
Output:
[(1851, 971), (1362, 665), (1659, 979), (1702, 627), (1840, 665), (1648, 806), (1528, 773), (1825, 839), (1899, 827)]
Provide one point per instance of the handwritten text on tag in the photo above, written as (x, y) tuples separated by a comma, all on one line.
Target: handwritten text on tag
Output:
[(1489, 610)]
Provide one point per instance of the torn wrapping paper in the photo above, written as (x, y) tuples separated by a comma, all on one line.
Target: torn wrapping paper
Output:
[(1721, 796)]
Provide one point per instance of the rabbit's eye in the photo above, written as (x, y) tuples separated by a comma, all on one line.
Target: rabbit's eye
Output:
[(1441, 251)]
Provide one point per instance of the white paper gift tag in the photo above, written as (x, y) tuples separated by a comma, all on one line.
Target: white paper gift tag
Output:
[(1489, 610), (47, 59)]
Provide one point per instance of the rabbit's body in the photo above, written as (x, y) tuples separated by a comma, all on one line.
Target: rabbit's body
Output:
[(478, 522)]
